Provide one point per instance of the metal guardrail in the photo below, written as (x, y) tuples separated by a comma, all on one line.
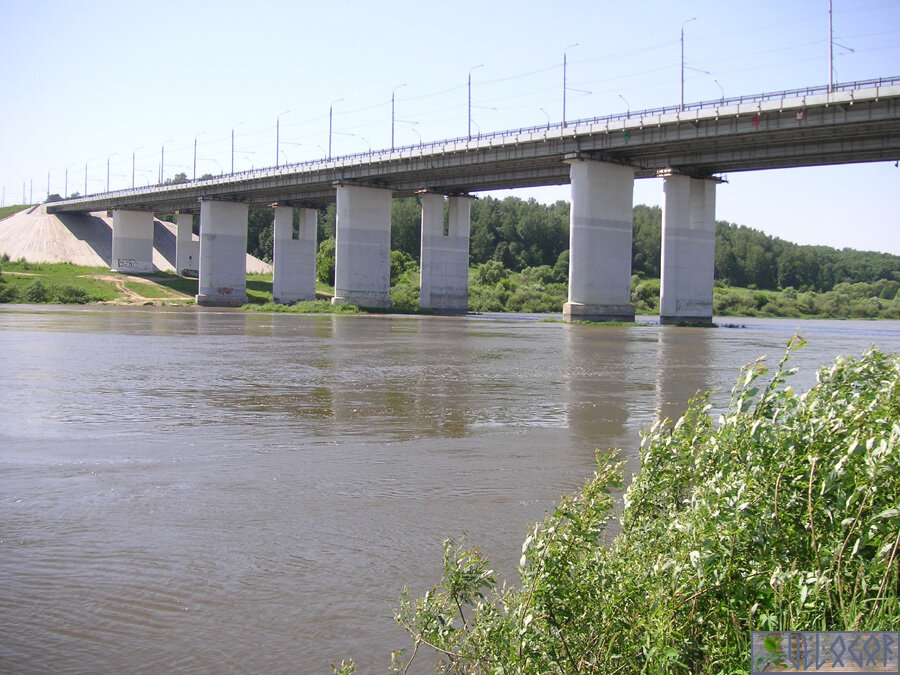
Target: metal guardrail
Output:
[(435, 147)]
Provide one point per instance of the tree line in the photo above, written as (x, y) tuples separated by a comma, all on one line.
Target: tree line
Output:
[(521, 234)]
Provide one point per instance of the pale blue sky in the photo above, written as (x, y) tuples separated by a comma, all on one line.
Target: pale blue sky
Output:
[(88, 81)]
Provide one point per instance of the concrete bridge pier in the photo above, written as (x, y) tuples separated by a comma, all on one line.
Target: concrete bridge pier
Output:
[(600, 242), (223, 254), (294, 260), (444, 285), (187, 251), (132, 242), (363, 247), (688, 250)]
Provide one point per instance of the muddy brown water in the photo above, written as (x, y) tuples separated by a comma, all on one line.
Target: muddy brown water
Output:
[(217, 491)]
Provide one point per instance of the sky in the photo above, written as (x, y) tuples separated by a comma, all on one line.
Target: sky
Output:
[(91, 85)]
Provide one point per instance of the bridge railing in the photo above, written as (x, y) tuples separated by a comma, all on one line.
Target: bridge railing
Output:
[(464, 142)]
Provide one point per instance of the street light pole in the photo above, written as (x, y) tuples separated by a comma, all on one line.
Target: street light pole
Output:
[(195, 153), (480, 65), (107, 169), (627, 107), (85, 175), (682, 59), (830, 47), (278, 135), (330, 123), (133, 152), (547, 115), (232, 144), (393, 118), (565, 64)]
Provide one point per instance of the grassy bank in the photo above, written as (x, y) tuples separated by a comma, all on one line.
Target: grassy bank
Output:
[(492, 288), (10, 210), (781, 516), (64, 283)]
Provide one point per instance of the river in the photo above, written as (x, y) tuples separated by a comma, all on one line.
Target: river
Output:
[(202, 490)]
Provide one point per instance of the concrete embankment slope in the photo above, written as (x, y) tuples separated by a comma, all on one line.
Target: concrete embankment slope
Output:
[(83, 239)]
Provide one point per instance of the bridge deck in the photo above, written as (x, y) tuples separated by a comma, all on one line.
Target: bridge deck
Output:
[(857, 122)]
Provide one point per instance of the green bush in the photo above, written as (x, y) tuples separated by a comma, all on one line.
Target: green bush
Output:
[(400, 265), (325, 262), (405, 297), (491, 272), (36, 292), (782, 516), (8, 293), (70, 295)]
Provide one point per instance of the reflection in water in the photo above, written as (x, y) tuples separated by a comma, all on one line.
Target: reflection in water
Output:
[(683, 368), (214, 490), (597, 381)]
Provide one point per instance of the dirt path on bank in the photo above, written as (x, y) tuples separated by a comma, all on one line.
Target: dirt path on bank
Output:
[(133, 297)]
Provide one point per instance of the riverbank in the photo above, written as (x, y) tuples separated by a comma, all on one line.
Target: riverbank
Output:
[(780, 517), (491, 289)]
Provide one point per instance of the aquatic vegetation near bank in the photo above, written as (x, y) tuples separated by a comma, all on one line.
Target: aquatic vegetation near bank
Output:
[(782, 515)]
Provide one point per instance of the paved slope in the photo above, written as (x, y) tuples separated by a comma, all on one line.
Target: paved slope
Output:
[(37, 236)]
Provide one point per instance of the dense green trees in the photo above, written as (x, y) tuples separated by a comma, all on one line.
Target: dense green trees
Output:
[(522, 234)]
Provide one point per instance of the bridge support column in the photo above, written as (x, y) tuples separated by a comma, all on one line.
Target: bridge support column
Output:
[(600, 242), (223, 254), (444, 259), (688, 250), (132, 242), (294, 260), (187, 251), (363, 247)]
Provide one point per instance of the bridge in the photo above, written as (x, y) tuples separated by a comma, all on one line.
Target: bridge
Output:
[(690, 146)]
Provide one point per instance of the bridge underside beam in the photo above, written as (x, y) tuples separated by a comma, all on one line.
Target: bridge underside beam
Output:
[(223, 254), (132, 242), (444, 268), (363, 247), (294, 260), (600, 243), (688, 250)]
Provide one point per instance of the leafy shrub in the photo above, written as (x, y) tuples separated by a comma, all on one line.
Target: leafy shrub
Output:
[(8, 293), (561, 268), (491, 272), (400, 265), (36, 292), (783, 516), (405, 297), (325, 262), (70, 295)]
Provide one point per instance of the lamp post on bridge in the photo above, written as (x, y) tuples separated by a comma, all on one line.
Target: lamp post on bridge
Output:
[(277, 134), (694, 18), (133, 153), (162, 161), (331, 122), (195, 153), (232, 144), (565, 64), (107, 169), (480, 65), (627, 107), (85, 175), (393, 118)]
